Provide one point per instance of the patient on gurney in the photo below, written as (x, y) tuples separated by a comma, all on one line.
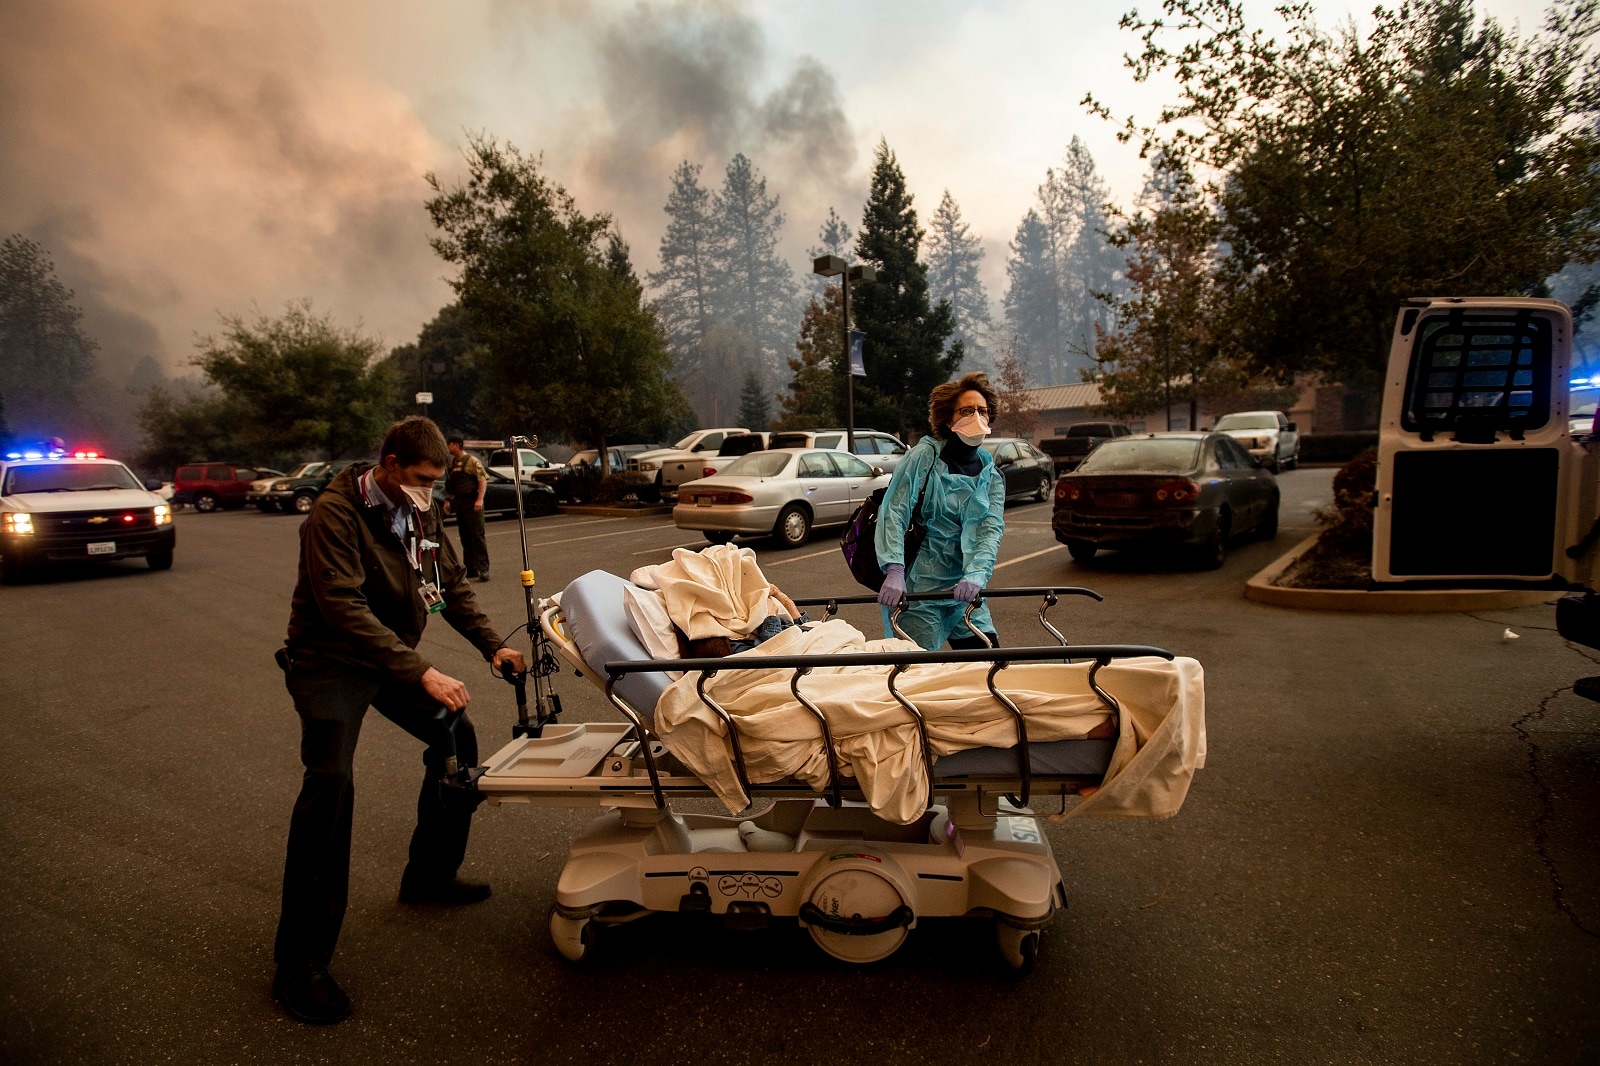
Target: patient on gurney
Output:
[(719, 594)]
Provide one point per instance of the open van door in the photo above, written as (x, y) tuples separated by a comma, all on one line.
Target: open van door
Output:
[(1479, 481)]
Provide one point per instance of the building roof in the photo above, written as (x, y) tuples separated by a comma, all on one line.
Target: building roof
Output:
[(1058, 397)]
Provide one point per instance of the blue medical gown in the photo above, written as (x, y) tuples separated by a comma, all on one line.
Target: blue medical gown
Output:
[(964, 516)]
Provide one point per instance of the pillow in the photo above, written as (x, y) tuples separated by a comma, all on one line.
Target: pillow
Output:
[(648, 617), (597, 618)]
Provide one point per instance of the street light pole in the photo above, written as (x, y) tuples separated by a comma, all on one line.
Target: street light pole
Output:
[(829, 266)]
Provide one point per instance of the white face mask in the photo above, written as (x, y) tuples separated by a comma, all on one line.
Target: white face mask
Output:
[(972, 429), (420, 496)]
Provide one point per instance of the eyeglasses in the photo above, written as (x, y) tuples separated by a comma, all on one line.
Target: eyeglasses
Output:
[(966, 412)]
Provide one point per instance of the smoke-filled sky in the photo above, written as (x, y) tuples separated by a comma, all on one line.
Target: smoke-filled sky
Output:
[(185, 159)]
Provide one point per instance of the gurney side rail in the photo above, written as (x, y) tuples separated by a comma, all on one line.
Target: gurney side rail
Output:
[(1049, 595), (1100, 654)]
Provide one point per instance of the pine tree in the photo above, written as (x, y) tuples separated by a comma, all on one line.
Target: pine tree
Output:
[(905, 351), (816, 390), (685, 301), (954, 254), (755, 290), (1033, 299), (45, 355), (755, 408), (833, 238), (1064, 260)]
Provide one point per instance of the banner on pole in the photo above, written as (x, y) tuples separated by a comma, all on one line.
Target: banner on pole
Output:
[(858, 366)]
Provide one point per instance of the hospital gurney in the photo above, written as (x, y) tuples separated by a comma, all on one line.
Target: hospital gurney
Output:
[(856, 881)]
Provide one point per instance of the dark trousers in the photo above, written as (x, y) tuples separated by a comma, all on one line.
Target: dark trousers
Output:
[(469, 525), (331, 700)]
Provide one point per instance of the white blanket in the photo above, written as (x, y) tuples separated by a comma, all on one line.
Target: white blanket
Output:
[(1161, 735), (716, 592)]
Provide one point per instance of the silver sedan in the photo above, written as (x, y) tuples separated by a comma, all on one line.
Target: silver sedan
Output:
[(783, 493)]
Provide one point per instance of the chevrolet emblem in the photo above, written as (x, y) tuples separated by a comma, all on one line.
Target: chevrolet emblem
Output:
[(98, 520)]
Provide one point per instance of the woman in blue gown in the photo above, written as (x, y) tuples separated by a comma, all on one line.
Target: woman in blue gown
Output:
[(963, 510)]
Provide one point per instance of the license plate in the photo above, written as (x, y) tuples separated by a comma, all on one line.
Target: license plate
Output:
[(104, 547), (1117, 499), (702, 501)]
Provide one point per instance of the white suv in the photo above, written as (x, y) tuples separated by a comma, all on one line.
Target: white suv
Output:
[(1266, 435), (881, 450), (57, 507)]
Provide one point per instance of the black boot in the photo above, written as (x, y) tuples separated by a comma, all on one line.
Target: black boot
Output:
[(310, 994)]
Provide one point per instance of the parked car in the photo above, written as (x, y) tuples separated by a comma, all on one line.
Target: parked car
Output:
[(671, 467), (1081, 439), (1267, 435), (881, 450), (1192, 491), (500, 498), (1027, 470), (535, 467), (209, 486), (57, 509), (295, 493), (784, 493), (582, 476), (261, 487)]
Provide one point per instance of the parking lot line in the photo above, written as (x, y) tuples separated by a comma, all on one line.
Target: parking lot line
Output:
[(799, 558), (575, 540), (670, 547), (1030, 555)]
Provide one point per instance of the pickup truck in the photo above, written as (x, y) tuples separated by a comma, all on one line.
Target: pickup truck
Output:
[(1267, 435), (671, 467), (734, 445), (1080, 440)]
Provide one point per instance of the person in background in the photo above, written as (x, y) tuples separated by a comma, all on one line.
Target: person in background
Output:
[(464, 486), (962, 497), (374, 566)]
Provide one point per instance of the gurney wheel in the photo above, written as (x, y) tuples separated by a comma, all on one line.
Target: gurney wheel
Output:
[(573, 937), (1019, 947)]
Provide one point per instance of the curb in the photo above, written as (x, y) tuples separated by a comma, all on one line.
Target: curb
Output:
[(607, 511), (1390, 601)]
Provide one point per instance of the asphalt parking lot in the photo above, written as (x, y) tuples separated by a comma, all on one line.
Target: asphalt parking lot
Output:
[(1392, 856)]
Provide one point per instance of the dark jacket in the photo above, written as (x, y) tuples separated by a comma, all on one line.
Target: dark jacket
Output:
[(357, 598)]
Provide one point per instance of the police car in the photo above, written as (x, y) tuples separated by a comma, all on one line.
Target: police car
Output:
[(58, 507)]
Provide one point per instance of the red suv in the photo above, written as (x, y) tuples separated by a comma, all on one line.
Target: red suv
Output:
[(209, 486)]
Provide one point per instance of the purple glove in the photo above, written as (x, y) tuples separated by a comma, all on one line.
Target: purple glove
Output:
[(967, 591), (894, 585)]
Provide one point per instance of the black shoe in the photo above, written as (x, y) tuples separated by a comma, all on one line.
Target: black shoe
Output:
[(310, 995), (484, 576), (452, 893)]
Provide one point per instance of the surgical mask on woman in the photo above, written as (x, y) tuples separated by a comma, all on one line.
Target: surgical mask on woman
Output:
[(971, 429)]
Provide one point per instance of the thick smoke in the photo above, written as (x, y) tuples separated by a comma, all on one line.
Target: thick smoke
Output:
[(688, 82), (182, 160)]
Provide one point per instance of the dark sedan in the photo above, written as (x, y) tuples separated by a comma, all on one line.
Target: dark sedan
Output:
[(1027, 470), (1193, 491), (499, 496)]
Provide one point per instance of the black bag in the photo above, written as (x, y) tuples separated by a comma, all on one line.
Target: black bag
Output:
[(860, 540)]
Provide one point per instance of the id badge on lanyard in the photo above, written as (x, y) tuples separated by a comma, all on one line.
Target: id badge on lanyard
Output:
[(432, 597)]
